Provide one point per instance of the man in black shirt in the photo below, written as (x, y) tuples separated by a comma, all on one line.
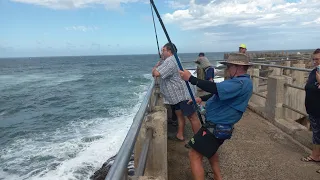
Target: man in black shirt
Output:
[(312, 100)]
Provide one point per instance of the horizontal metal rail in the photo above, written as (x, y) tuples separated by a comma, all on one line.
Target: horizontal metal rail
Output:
[(263, 96), (283, 67), (295, 110), (264, 71), (118, 169), (264, 78), (144, 154), (255, 60), (293, 86), (267, 61)]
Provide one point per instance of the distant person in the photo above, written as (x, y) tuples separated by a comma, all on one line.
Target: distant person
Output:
[(204, 63), (224, 108), (175, 92), (312, 100), (242, 48)]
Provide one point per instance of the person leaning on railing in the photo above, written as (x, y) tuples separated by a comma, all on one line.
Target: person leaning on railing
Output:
[(312, 100), (175, 92), (224, 107), (172, 117)]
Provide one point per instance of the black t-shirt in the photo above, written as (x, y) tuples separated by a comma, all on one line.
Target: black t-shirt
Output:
[(312, 101)]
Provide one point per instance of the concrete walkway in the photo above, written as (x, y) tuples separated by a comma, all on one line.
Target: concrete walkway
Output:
[(258, 150)]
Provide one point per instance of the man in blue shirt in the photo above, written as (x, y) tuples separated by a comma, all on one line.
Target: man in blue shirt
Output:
[(224, 107)]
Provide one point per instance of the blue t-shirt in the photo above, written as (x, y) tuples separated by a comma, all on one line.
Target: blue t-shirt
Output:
[(228, 105)]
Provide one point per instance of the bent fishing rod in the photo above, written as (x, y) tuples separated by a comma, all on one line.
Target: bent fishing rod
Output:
[(177, 59), (155, 31)]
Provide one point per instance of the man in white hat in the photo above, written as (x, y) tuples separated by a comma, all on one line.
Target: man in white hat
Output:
[(224, 107)]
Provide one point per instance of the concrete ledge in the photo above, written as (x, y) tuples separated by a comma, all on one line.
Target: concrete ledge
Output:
[(297, 131), (157, 162), (257, 109), (289, 127), (146, 178), (304, 137), (159, 108)]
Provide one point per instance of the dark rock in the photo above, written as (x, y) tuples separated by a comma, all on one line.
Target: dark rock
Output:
[(103, 171)]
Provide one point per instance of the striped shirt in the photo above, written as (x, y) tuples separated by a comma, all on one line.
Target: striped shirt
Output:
[(172, 87)]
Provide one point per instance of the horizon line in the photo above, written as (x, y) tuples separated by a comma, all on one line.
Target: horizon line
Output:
[(148, 54)]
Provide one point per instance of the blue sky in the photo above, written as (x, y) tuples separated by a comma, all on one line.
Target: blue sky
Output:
[(102, 27)]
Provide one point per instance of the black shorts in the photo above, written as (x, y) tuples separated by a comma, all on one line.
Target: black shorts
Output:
[(187, 109), (205, 143)]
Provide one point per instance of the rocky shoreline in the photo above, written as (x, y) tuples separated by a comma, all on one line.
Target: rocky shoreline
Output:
[(101, 173)]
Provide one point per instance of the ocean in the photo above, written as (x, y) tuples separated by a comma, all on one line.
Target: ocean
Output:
[(63, 117)]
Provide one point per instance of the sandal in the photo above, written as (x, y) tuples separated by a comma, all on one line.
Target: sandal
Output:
[(318, 171), (187, 146), (174, 138), (308, 159)]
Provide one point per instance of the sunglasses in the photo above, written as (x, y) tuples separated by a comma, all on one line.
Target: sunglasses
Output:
[(316, 59)]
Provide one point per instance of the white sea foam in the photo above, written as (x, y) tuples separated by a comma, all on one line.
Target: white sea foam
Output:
[(47, 80), (65, 152)]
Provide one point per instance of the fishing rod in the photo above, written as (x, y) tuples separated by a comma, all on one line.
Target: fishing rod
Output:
[(155, 31), (177, 59)]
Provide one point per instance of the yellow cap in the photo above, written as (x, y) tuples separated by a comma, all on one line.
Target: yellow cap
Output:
[(243, 46)]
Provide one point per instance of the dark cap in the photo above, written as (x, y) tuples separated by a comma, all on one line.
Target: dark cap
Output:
[(201, 54)]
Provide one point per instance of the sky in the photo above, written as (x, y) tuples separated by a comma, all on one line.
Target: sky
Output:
[(110, 27)]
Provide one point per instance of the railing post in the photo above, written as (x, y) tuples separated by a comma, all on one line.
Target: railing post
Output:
[(275, 70), (298, 96), (275, 98), (288, 98), (298, 76), (156, 164), (154, 96), (287, 71), (255, 81)]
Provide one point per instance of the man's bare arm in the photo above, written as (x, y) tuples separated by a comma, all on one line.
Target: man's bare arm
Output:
[(155, 73)]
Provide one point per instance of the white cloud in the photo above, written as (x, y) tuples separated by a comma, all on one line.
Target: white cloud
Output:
[(81, 28), (71, 4), (312, 23), (182, 4), (244, 13)]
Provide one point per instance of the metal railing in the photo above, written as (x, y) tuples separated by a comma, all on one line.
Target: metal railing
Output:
[(295, 110), (269, 61), (144, 153), (261, 95), (259, 77), (283, 67), (293, 86), (291, 108), (118, 170), (285, 84)]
